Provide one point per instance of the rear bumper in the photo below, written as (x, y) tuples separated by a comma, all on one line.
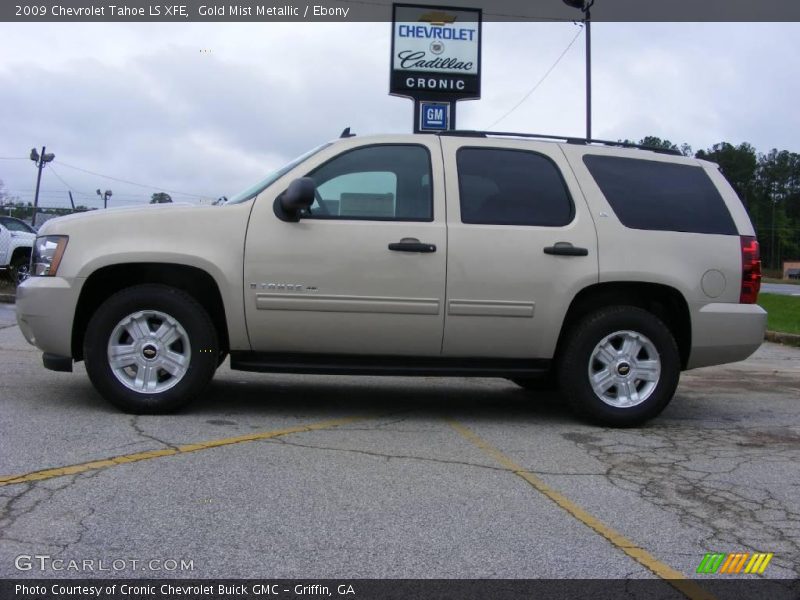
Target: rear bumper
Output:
[(725, 333)]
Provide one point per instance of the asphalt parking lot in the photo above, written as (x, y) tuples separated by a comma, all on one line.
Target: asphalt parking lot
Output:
[(298, 476)]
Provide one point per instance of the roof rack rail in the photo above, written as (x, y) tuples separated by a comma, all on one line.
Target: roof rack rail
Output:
[(562, 138)]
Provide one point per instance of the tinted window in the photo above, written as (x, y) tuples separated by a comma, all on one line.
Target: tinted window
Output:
[(388, 182), (511, 187), (647, 194)]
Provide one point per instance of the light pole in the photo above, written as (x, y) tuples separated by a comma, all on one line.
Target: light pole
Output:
[(585, 7), (104, 196), (40, 161)]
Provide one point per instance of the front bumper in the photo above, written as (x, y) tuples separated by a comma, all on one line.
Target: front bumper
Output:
[(725, 333), (45, 311)]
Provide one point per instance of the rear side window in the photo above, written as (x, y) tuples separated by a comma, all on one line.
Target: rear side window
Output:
[(662, 196), (511, 187)]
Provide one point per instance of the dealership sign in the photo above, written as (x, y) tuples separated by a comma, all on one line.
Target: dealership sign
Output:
[(436, 52)]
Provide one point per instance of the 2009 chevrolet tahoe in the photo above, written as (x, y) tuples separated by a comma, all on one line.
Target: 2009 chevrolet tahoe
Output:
[(603, 270)]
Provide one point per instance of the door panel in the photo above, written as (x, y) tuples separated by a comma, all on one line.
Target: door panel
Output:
[(506, 296), (330, 283)]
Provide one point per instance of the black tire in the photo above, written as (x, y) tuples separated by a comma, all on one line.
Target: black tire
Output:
[(574, 366), (203, 347), (20, 268)]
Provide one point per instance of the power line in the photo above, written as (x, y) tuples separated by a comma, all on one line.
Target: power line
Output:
[(69, 187), (13, 158), (142, 185), (541, 81)]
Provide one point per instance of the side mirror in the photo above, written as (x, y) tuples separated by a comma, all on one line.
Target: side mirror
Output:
[(297, 197)]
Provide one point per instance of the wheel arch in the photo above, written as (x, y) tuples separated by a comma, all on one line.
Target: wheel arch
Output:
[(665, 302), (106, 281), (18, 251)]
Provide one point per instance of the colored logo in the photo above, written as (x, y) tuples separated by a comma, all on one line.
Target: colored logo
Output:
[(735, 563)]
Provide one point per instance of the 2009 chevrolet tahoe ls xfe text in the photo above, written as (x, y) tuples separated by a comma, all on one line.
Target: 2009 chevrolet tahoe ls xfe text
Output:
[(604, 270)]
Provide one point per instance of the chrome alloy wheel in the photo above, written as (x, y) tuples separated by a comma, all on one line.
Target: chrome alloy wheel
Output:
[(149, 352), (624, 369)]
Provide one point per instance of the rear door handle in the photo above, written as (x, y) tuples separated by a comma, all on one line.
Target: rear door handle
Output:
[(412, 245), (565, 249)]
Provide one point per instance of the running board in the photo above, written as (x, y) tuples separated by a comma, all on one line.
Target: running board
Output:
[(334, 364)]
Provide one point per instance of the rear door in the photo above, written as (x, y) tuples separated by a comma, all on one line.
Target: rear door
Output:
[(521, 244)]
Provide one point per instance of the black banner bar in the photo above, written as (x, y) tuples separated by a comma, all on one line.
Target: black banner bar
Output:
[(398, 589), (381, 10)]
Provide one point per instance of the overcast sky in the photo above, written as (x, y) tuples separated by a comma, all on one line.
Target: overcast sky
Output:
[(208, 108)]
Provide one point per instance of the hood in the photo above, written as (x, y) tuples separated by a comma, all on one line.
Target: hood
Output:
[(124, 216)]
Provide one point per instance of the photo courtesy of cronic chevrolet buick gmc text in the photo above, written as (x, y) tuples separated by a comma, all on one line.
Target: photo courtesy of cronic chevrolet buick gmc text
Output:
[(600, 269)]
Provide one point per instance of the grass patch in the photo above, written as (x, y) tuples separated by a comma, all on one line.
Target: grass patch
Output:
[(783, 312)]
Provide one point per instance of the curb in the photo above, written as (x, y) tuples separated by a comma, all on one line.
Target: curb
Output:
[(7, 298), (789, 339)]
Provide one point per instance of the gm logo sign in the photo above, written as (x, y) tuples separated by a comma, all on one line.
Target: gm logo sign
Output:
[(434, 116)]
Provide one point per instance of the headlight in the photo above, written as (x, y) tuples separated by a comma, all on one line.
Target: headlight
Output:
[(47, 253)]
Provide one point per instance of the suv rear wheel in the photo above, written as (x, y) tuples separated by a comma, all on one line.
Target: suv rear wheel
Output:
[(620, 366), (150, 349)]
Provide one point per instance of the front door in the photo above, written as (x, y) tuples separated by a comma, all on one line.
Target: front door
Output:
[(363, 272)]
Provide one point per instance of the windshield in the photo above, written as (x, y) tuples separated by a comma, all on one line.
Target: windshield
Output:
[(256, 189)]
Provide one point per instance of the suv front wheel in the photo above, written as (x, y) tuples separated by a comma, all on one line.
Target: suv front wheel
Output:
[(150, 349), (620, 366)]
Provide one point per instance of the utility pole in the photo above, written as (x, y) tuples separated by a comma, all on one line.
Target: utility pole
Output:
[(585, 7), (71, 201), (40, 161), (105, 196)]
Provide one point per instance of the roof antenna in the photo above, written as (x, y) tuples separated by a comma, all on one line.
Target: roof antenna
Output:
[(346, 133)]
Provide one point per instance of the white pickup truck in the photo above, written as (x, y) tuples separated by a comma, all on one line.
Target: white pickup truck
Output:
[(16, 241)]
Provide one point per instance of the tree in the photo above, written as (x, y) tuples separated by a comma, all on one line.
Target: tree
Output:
[(656, 142), (160, 198), (738, 163), (777, 213)]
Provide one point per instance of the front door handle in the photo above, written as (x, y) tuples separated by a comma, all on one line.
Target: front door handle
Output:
[(565, 249), (412, 245)]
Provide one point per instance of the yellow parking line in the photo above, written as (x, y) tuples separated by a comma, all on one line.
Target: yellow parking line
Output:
[(150, 454), (675, 578)]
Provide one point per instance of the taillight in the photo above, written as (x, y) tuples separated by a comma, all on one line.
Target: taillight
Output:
[(751, 270)]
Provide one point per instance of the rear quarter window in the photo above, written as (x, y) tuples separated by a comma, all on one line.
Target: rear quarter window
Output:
[(661, 196)]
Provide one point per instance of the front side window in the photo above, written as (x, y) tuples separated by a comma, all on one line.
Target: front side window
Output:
[(383, 182), (511, 187)]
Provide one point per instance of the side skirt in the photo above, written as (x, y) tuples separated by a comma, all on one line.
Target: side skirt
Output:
[(330, 364)]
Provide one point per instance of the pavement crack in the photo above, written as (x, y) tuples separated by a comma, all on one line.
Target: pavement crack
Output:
[(136, 426), (384, 455), (389, 456)]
